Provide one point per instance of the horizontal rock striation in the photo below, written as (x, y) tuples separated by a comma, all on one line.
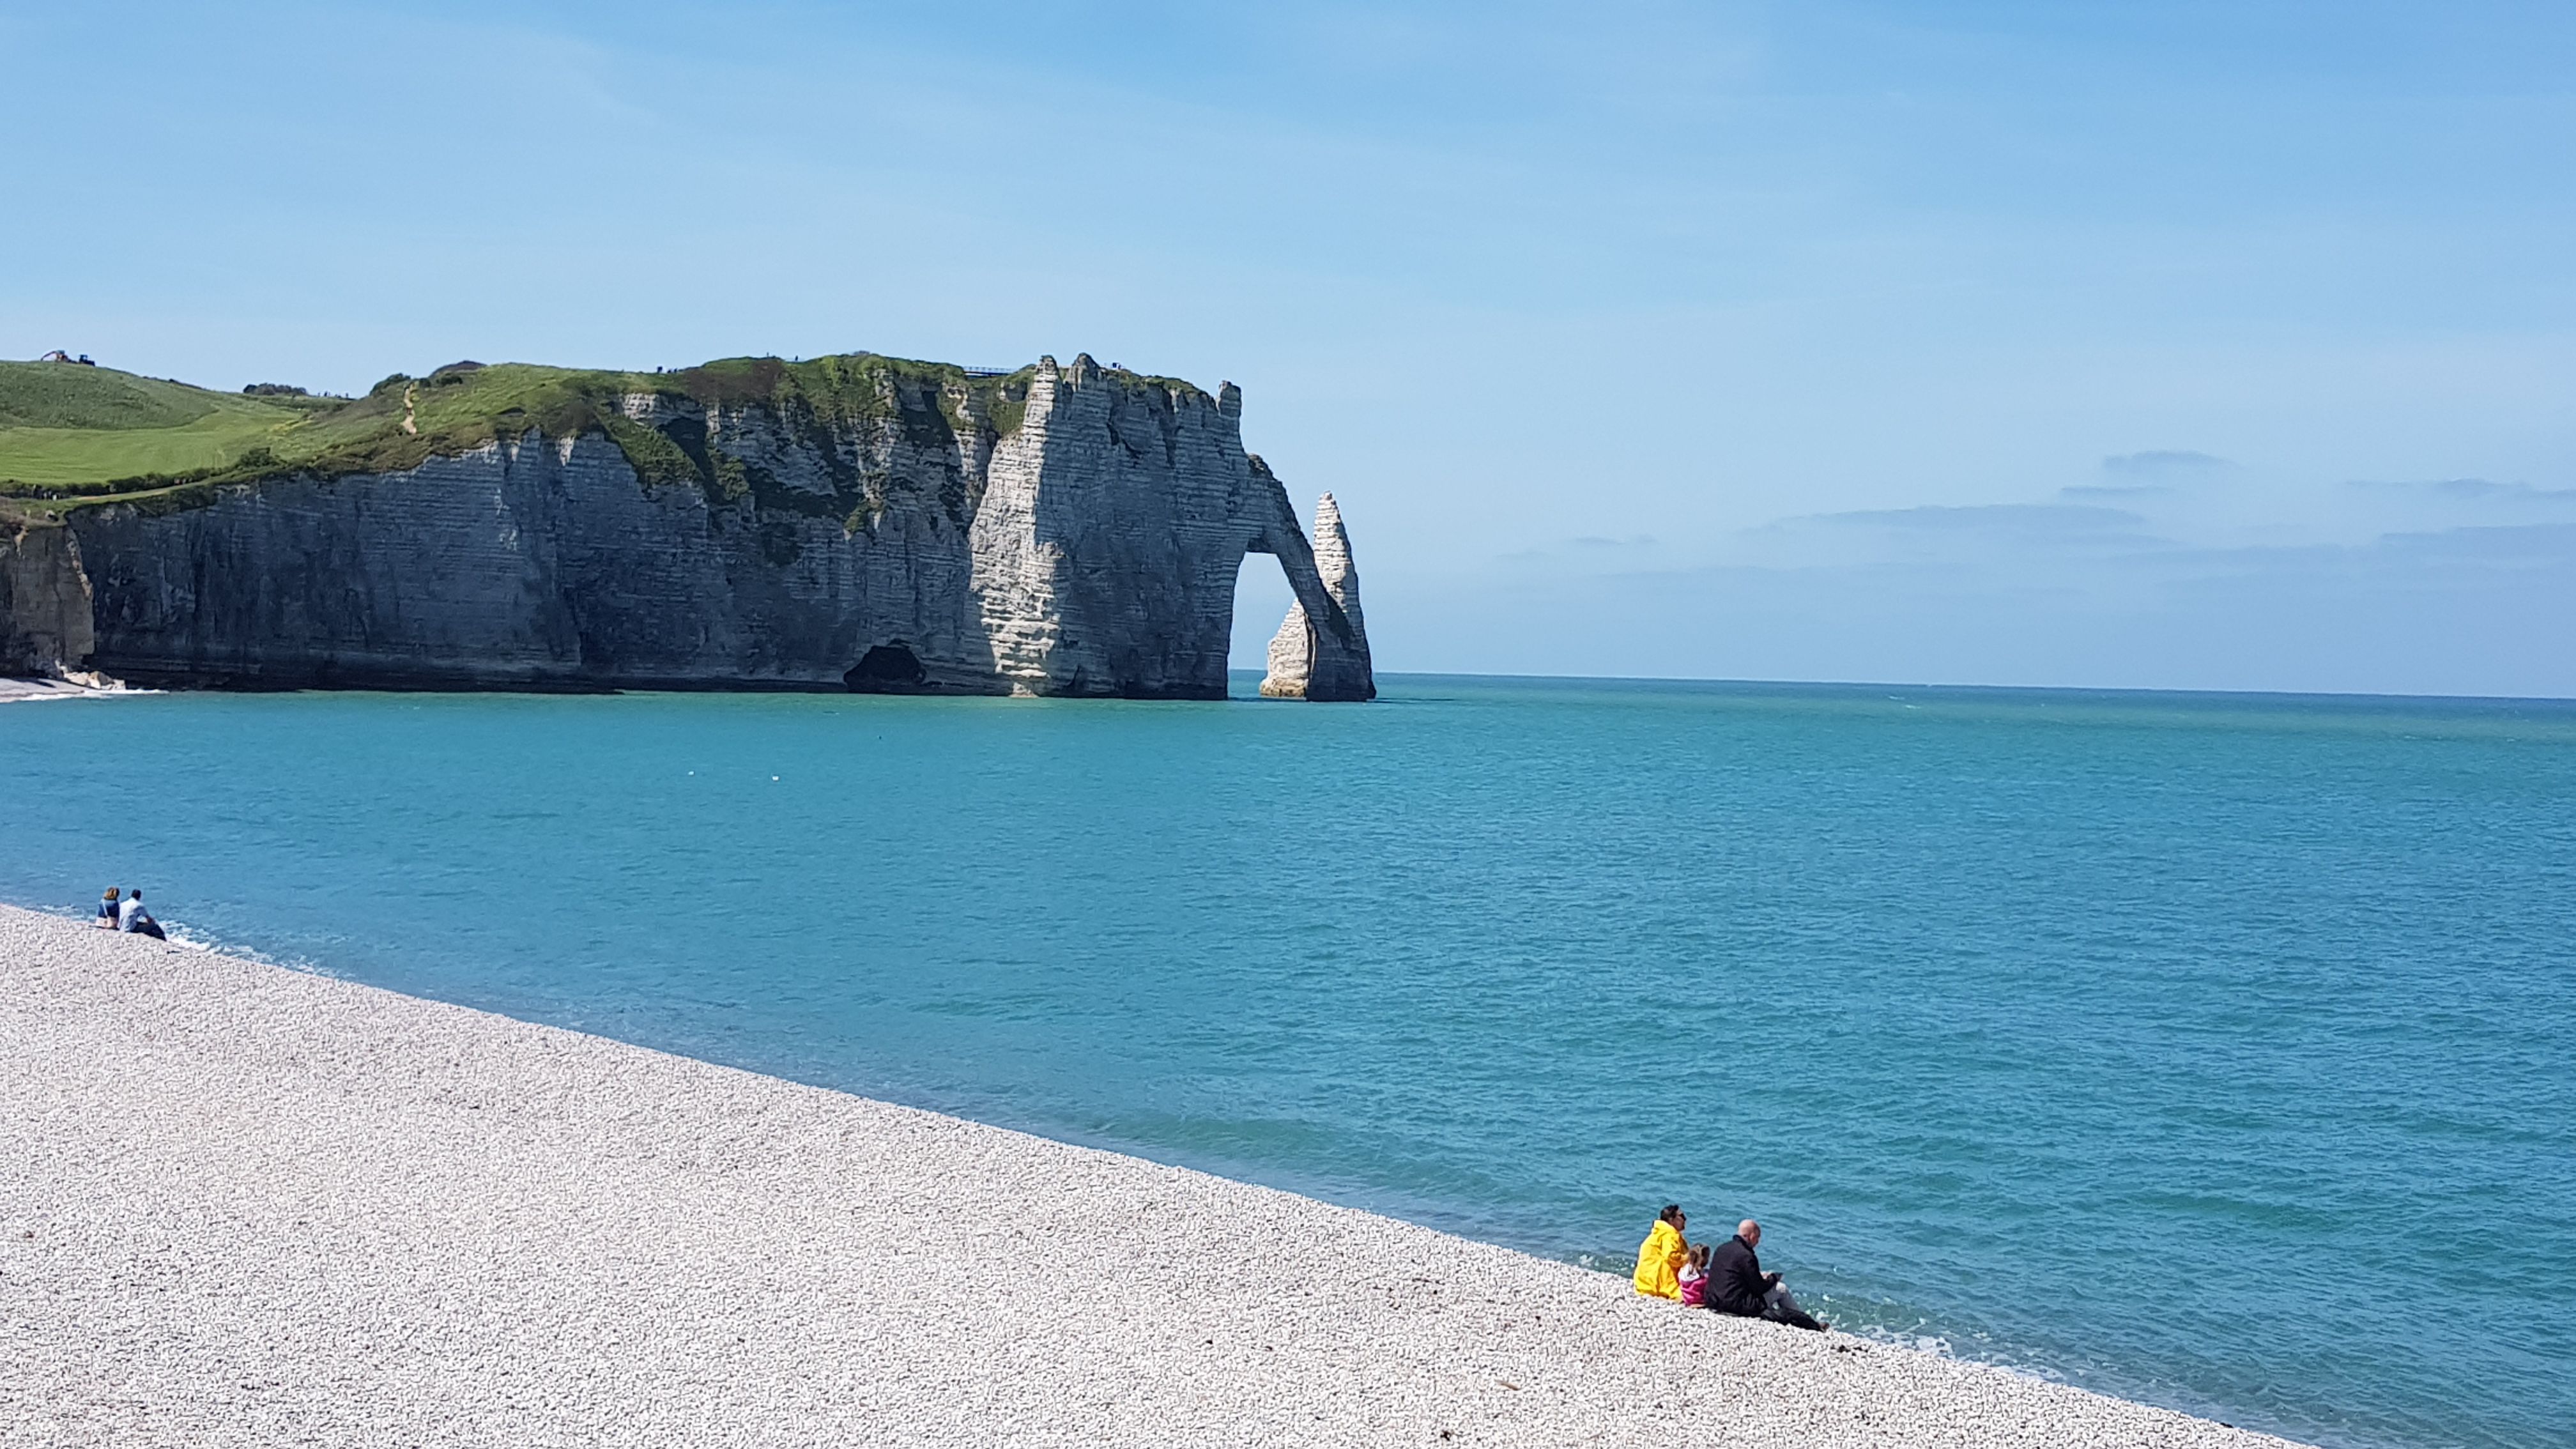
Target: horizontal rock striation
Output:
[(1086, 543), (44, 600)]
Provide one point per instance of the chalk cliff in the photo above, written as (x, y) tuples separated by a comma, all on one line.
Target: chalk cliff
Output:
[(44, 600), (1067, 531), (1330, 661)]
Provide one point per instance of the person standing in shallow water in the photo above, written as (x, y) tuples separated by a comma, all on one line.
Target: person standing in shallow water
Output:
[(1737, 1284), (1660, 1257)]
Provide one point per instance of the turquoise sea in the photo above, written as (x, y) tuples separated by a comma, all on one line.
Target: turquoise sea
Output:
[(2218, 1051)]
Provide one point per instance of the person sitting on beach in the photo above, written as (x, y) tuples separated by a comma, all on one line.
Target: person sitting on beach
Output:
[(126, 913), (1660, 1257), (1737, 1284), (106, 920), (1694, 1277), (141, 922)]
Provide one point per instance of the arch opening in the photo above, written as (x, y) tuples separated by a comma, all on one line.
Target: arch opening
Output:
[(1261, 600)]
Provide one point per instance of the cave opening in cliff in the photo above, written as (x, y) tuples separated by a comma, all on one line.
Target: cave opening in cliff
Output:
[(886, 669)]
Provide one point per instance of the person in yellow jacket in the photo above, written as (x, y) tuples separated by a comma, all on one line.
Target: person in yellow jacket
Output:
[(1660, 1257)]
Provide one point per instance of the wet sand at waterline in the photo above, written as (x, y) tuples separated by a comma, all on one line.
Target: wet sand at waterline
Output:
[(241, 1204)]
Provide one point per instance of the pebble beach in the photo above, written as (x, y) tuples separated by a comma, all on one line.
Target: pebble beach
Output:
[(247, 1205)]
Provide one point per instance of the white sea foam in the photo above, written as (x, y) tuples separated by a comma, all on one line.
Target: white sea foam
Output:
[(32, 691)]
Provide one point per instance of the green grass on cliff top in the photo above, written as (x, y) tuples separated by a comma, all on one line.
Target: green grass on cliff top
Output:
[(72, 435), (63, 423)]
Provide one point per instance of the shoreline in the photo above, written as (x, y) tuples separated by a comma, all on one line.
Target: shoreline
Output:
[(29, 689), (245, 1204)]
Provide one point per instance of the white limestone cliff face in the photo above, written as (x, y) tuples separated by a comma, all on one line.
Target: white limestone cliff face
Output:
[(1311, 663), (44, 601), (1090, 550)]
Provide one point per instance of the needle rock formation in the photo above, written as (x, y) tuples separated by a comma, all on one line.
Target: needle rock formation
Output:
[(1330, 662)]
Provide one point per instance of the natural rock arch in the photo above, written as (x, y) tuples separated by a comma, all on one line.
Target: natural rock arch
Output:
[(1111, 533), (1050, 531)]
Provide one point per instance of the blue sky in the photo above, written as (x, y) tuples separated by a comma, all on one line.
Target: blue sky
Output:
[(2182, 345)]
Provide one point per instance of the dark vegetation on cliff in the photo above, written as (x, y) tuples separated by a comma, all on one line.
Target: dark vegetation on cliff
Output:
[(73, 437)]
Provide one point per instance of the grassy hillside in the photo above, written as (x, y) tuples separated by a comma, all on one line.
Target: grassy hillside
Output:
[(55, 395), (71, 435), (63, 424)]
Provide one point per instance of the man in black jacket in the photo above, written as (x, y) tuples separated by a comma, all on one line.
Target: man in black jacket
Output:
[(1737, 1284)]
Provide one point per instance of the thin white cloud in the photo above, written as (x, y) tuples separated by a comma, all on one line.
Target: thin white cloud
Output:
[(2116, 490), (2159, 462), (2006, 520), (2445, 611), (2473, 489)]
